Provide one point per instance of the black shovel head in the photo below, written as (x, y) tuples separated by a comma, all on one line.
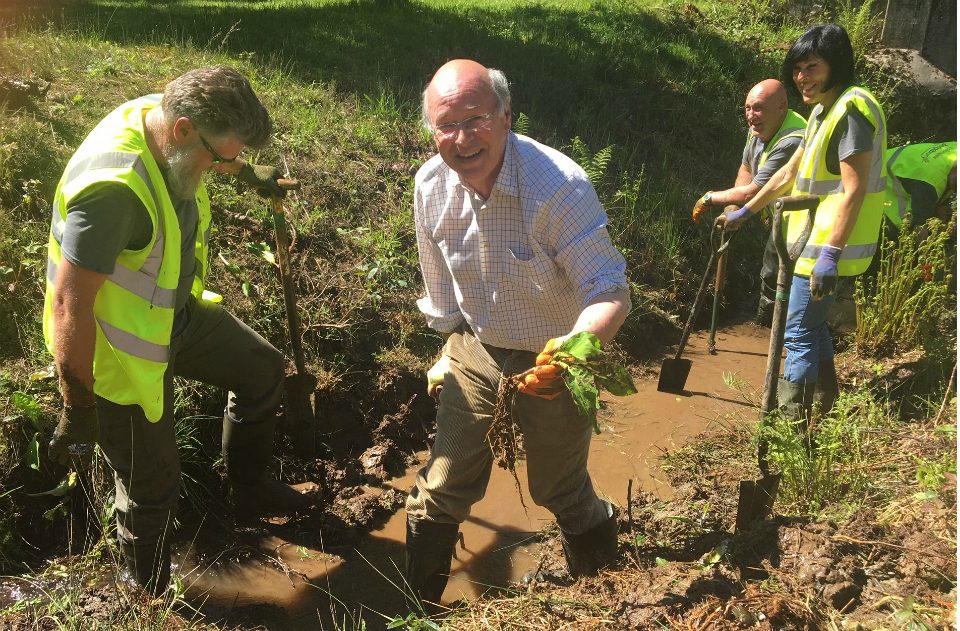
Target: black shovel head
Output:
[(756, 500), (673, 375)]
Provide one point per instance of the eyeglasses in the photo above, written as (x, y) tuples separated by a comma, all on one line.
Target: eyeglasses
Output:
[(217, 158), (468, 125)]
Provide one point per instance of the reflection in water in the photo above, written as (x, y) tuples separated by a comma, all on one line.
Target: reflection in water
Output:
[(499, 539)]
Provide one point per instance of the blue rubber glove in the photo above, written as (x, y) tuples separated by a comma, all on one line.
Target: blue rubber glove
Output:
[(823, 277), (731, 221)]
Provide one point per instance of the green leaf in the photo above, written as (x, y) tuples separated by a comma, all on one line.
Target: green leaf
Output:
[(584, 393), (28, 406), (66, 484), (618, 382), (33, 453), (263, 250), (245, 288), (233, 269), (583, 345), (661, 562)]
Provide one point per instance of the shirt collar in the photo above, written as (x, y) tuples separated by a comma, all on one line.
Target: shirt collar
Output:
[(507, 178)]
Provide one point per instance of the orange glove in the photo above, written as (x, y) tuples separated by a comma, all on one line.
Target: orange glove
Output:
[(701, 207), (545, 379)]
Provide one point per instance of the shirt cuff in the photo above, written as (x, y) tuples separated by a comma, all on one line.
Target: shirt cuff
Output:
[(442, 322)]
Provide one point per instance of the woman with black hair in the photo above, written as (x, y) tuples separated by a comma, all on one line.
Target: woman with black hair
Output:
[(840, 160)]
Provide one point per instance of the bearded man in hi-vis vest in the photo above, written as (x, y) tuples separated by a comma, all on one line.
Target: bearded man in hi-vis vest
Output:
[(125, 309), (841, 160)]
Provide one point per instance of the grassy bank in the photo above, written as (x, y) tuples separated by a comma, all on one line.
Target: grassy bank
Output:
[(647, 96)]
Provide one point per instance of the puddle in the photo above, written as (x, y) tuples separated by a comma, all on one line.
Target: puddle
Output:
[(323, 586)]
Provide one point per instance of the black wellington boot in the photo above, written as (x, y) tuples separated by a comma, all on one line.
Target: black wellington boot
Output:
[(247, 451), (828, 388), (430, 547), (796, 404), (591, 551), (149, 565)]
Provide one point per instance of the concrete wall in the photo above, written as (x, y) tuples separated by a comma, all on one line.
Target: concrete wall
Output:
[(929, 26)]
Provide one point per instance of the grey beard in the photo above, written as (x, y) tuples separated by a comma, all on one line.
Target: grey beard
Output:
[(182, 180)]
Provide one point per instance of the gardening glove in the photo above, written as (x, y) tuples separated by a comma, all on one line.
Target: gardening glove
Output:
[(702, 206), (436, 374), (544, 380), (75, 436), (823, 277), (731, 221), (263, 179)]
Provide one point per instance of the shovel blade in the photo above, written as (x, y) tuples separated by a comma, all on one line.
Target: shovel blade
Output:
[(673, 375), (756, 500)]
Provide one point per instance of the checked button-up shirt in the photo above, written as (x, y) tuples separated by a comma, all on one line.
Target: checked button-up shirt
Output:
[(518, 267)]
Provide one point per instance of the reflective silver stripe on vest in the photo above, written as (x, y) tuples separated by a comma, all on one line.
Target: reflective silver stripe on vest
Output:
[(132, 282), (897, 187), (849, 252), (141, 283), (133, 345), (876, 182)]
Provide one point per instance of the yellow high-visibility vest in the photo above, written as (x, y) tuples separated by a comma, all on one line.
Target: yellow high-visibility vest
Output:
[(793, 126), (134, 308), (928, 162), (814, 178)]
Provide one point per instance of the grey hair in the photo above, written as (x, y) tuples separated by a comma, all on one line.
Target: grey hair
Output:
[(501, 89), (219, 101)]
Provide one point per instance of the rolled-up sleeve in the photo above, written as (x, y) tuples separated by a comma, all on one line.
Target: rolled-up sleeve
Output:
[(582, 243), (439, 305)]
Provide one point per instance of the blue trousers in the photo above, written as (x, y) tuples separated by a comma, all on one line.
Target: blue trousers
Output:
[(807, 337)]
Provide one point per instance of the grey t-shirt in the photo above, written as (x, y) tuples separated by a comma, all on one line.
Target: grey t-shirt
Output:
[(852, 135), (923, 199), (779, 155), (110, 218)]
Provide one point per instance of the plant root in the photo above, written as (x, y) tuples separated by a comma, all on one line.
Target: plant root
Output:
[(504, 437)]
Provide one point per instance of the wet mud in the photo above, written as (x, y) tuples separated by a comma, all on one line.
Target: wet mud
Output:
[(334, 571)]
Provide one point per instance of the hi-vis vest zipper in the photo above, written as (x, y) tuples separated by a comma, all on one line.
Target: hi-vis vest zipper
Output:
[(928, 162), (134, 308), (814, 178)]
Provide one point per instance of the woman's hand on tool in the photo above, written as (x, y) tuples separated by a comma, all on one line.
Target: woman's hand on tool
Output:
[(731, 221), (823, 276)]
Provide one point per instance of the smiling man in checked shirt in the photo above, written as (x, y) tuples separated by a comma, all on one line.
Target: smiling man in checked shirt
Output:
[(515, 254)]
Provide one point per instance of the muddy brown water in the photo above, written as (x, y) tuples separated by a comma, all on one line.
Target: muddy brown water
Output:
[(310, 589)]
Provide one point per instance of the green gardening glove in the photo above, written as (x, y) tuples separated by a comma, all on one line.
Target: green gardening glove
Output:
[(263, 179), (75, 436)]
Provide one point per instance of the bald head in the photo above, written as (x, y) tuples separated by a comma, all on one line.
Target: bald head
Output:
[(463, 75), (765, 108)]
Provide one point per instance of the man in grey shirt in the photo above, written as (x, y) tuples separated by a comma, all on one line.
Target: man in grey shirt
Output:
[(775, 133)]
